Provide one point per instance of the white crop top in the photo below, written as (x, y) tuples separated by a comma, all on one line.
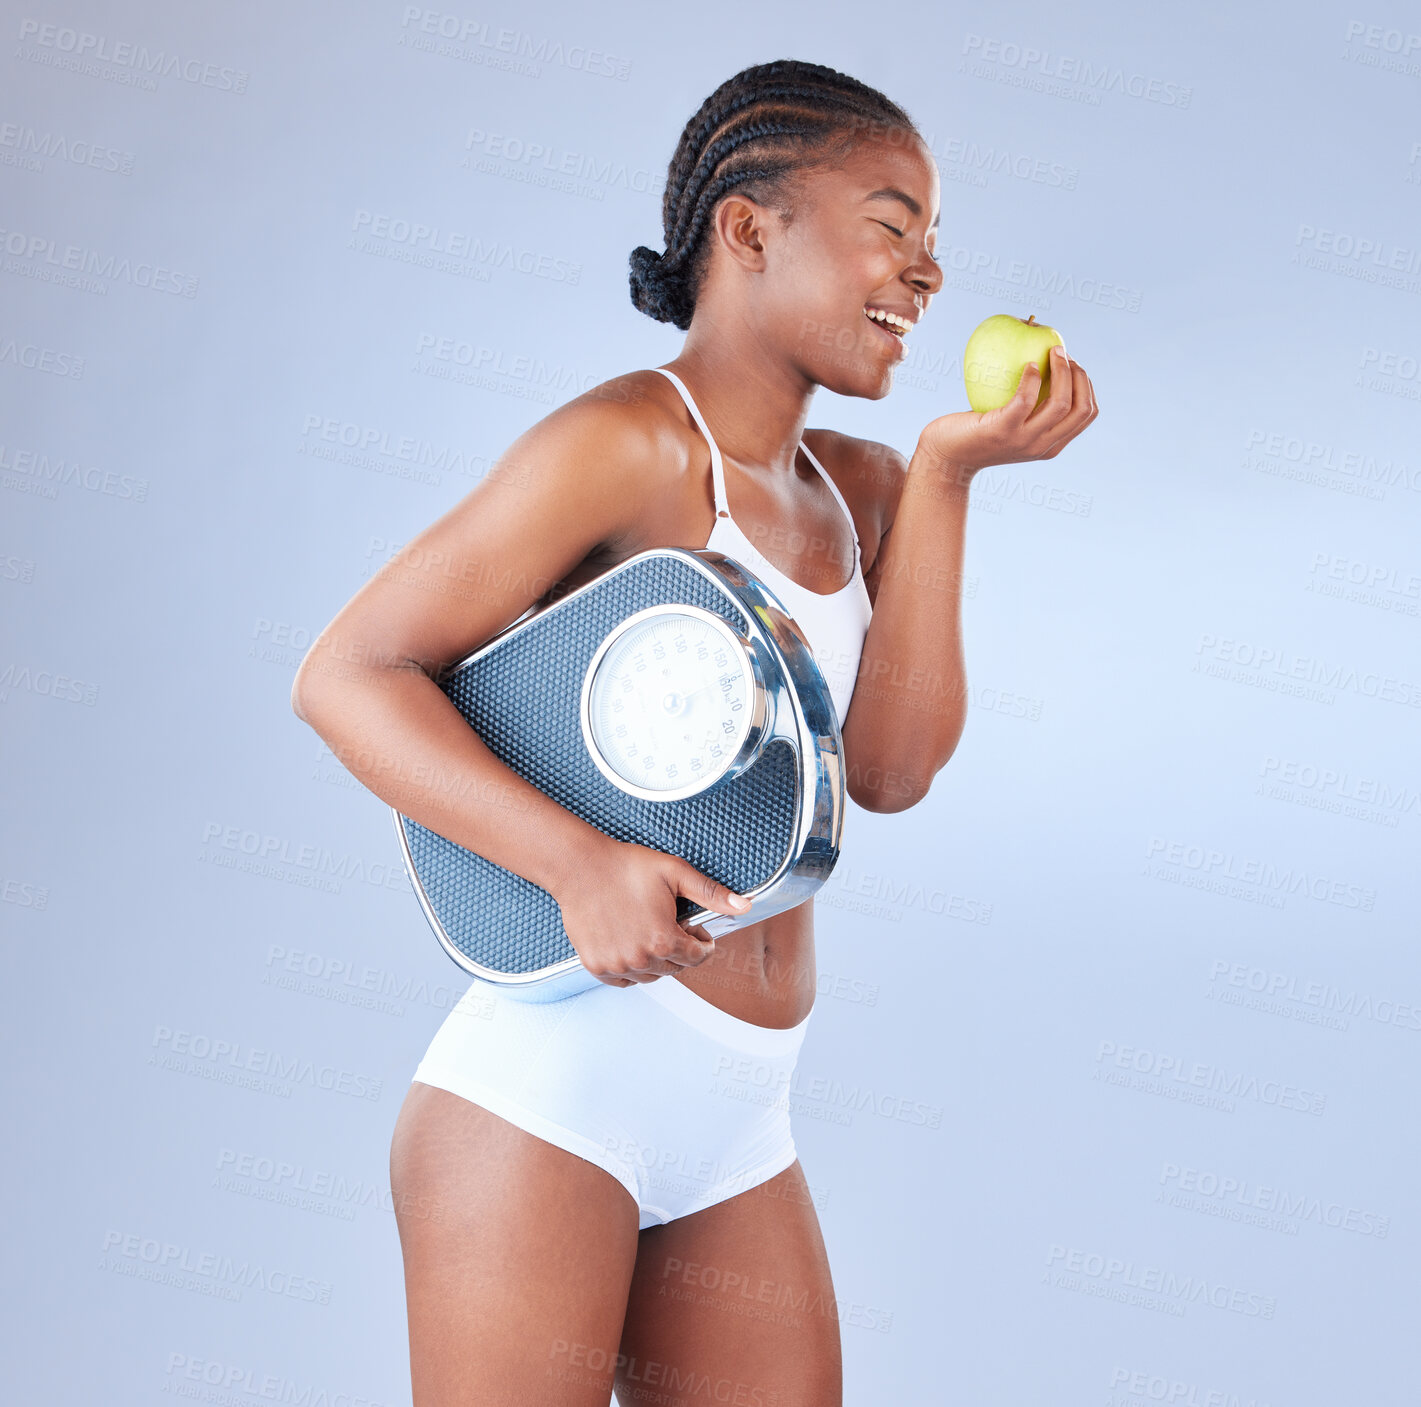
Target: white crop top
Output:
[(834, 623)]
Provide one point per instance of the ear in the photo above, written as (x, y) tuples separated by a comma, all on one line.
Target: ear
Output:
[(742, 228)]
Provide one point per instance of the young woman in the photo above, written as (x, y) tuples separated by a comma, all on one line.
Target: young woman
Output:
[(602, 1193)]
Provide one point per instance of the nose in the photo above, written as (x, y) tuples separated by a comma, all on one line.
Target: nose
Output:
[(925, 274)]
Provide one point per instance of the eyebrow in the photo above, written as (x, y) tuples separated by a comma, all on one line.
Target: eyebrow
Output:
[(893, 193)]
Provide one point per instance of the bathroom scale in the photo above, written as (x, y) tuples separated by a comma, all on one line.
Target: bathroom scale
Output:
[(672, 702)]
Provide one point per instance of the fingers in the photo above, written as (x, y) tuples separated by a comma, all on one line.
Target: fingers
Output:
[(664, 947), (1083, 411), (654, 971), (1027, 389), (632, 978), (693, 945), (708, 893), (1055, 427), (1085, 392), (679, 949), (684, 946), (1057, 404), (1027, 430), (1023, 412)]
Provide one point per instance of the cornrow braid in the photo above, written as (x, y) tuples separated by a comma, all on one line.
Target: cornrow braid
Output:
[(756, 131)]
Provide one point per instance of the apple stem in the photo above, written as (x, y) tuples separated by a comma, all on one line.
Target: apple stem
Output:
[(1032, 318)]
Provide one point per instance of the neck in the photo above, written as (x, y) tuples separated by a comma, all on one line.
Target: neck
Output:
[(760, 430)]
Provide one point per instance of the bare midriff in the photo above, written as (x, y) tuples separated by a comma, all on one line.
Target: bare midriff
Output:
[(763, 974)]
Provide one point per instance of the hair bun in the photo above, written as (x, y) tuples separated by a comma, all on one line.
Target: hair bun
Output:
[(653, 291), (645, 265)]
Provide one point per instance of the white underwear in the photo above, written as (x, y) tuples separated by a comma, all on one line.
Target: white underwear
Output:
[(684, 1104)]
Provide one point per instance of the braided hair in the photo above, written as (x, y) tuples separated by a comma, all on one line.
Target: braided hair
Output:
[(754, 133)]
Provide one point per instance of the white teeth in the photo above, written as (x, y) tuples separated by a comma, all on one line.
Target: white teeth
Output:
[(879, 315)]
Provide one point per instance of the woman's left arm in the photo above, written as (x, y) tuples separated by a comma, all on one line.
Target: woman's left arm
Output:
[(909, 704)]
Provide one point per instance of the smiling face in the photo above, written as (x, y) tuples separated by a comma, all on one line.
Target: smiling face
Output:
[(837, 288)]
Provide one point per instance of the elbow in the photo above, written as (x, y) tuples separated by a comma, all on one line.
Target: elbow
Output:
[(301, 704), (329, 690), (298, 700), (885, 791), (886, 803), (887, 775), (901, 801), (888, 787), (306, 690)]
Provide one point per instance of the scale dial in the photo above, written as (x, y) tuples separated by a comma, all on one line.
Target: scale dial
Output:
[(669, 701)]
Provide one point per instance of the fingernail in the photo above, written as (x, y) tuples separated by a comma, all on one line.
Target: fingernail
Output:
[(739, 901)]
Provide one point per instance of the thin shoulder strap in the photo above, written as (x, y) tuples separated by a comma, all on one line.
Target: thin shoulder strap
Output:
[(718, 468), (722, 509), (824, 474)]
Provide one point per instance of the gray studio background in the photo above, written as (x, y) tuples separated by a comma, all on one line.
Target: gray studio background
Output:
[(1109, 1097)]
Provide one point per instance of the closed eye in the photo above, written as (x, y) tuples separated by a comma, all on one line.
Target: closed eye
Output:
[(899, 233)]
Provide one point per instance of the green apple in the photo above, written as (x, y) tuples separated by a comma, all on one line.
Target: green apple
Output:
[(997, 353)]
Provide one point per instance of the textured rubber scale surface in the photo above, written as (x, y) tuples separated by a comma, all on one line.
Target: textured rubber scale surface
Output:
[(522, 698)]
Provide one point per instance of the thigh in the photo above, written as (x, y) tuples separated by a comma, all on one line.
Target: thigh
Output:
[(517, 1254), (734, 1304)]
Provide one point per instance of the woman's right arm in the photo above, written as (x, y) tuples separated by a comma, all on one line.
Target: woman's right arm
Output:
[(570, 484)]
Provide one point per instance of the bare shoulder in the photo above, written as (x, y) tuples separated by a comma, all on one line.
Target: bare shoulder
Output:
[(634, 422), (617, 422)]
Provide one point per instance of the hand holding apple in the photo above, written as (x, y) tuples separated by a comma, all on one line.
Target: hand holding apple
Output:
[(1047, 408)]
